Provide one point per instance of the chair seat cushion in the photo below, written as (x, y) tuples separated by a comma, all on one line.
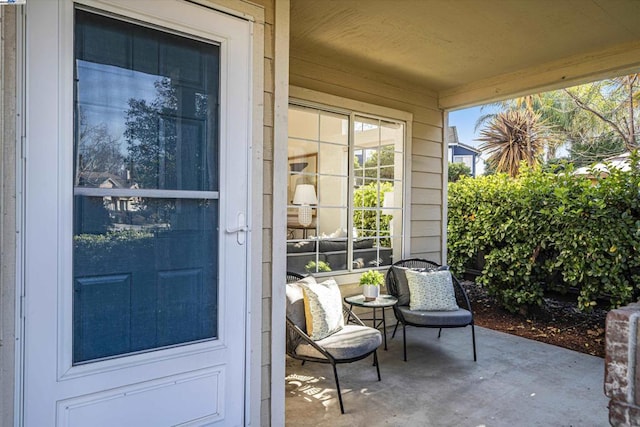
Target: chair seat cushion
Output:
[(349, 342), (460, 317)]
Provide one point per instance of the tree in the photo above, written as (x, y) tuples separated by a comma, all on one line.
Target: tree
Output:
[(550, 109), (386, 156), (151, 160), (613, 103), (457, 171), (512, 137), (98, 151), (595, 120)]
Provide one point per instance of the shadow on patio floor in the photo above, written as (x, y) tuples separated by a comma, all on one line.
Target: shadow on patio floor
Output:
[(516, 382)]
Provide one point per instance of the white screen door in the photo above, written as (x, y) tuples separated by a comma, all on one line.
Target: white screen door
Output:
[(135, 203)]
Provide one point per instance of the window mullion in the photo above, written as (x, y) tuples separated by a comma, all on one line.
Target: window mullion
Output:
[(351, 184)]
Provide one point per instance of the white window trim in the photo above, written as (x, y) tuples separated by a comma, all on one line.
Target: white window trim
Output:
[(312, 98)]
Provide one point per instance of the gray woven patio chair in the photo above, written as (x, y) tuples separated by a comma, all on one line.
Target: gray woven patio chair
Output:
[(397, 286), (351, 343)]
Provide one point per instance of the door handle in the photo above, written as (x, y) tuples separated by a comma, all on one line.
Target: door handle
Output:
[(240, 230)]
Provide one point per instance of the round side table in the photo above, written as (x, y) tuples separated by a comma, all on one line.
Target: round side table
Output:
[(382, 302)]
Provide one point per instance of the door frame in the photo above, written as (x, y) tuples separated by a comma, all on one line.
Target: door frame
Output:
[(254, 290)]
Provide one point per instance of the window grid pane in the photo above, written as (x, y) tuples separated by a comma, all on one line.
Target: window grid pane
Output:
[(374, 166)]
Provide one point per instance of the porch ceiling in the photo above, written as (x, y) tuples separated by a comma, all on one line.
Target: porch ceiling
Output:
[(470, 51)]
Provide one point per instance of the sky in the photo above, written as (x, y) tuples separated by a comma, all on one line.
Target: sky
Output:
[(465, 122)]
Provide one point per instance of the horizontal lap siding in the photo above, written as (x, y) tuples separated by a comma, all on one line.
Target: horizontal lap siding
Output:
[(426, 145)]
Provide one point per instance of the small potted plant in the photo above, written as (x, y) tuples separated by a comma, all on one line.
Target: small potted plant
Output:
[(371, 281), (321, 267)]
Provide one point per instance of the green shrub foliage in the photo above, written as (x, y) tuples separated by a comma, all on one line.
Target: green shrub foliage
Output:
[(545, 231)]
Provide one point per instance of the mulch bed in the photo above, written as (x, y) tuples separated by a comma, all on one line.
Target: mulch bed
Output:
[(558, 322)]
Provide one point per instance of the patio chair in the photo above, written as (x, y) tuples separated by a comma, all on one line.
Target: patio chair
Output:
[(349, 344), (397, 286)]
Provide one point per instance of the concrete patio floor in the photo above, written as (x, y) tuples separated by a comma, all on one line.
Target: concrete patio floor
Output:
[(515, 382)]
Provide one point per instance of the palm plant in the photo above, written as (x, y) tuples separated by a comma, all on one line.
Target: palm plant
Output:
[(553, 108), (512, 137)]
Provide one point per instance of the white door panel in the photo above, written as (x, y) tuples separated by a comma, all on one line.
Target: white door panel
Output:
[(135, 294)]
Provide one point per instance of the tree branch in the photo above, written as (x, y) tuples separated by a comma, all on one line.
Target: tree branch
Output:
[(630, 145)]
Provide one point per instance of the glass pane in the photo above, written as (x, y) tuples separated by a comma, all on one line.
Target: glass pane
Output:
[(368, 253), (332, 223), (334, 159), (300, 151), (145, 274), (387, 173), (145, 269), (332, 191), (369, 194), (365, 222), (366, 132), (303, 123), (334, 128), (146, 107), (334, 252), (392, 133)]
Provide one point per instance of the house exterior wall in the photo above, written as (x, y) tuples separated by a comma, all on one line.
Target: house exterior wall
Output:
[(457, 150), (267, 213), (427, 152), (8, 213)]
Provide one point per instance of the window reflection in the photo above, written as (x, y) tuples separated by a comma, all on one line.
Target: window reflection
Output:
[(145, 252), (146, 115)]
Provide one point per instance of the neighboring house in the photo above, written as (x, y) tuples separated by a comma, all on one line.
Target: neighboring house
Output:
[(179, 319), (462, 153), (110, 180)]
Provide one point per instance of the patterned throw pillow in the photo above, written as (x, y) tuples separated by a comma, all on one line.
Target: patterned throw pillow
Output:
[(295, 302), (431, 291), (322, 308)]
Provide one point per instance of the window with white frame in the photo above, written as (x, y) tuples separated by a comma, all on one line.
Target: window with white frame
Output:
[(345, 190)]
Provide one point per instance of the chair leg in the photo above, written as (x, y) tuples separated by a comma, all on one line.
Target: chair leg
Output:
[(473, 338), (439, 332), (394, 330), (335, 374), (375, 362), (404, 340)]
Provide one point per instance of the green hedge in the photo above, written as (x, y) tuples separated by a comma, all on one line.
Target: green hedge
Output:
[(544, 231)]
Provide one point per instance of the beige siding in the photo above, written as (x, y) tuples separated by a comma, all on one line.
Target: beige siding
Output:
[(426, 145), (8, 213), (267, 219)]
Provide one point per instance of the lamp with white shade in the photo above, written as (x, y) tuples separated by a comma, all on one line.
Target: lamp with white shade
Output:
[(388, 203), (305, 196)]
